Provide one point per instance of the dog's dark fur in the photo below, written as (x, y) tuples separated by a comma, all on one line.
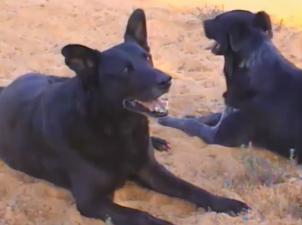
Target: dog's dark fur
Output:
[(262, 85), (79, 133), (219, 30)]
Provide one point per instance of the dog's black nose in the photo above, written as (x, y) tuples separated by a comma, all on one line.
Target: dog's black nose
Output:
[(164, 81)]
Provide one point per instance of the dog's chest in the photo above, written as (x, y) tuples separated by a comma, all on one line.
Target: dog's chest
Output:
[(123, 146)]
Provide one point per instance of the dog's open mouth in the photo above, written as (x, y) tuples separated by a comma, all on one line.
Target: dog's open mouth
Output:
[(215, 48), (156, 108)]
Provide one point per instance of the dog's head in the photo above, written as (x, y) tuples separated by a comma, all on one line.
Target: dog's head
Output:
[(222, 29), (123, 76)]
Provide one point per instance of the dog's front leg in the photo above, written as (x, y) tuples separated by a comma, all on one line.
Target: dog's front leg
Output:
[(156, 177), (192, 127), (106, 210), (197, 127), (226, 112), (210, 120), (93, 189)]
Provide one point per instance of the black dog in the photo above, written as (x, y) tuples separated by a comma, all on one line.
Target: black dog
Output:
[(263, 86), (218, 29), (90, 133)]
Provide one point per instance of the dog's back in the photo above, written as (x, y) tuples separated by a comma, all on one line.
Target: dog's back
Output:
[(20, 113)]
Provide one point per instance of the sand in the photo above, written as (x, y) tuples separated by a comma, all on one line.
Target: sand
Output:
[(32, 33)]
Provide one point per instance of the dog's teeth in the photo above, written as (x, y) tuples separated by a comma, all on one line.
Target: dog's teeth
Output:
[(163, 110), (159, 109)]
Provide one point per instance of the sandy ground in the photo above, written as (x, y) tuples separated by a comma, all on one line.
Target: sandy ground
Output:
[(31, 35)]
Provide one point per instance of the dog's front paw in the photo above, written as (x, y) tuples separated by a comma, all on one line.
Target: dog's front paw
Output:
[(190, 126), (150, 220), (168, 121), (160, 144), (190, 116), (161, 222), (230, 206)]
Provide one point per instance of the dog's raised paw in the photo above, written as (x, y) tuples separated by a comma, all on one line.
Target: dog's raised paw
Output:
[(160, 144), (168, 121), (230, 206)]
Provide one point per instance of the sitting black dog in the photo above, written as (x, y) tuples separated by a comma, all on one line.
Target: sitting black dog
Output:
[(262, 85), (90, 133), (218, 29)]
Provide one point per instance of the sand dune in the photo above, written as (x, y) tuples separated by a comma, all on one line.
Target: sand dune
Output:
[(32, 33)]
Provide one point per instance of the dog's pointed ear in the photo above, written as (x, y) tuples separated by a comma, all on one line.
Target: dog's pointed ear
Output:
[(238, 35), (83, 61), (263, 21), (137, 29)]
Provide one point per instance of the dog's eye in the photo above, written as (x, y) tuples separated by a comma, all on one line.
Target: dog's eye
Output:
[(127, 68), (148, 57)]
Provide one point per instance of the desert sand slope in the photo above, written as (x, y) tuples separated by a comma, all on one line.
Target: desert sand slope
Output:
[(32, 33)]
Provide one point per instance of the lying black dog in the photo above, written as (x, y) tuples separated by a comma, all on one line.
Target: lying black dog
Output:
[(90, 133), (218, 29), (263, 86)]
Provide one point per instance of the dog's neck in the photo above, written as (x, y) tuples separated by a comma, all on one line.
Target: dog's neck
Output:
[(266, 53), (92, 105)]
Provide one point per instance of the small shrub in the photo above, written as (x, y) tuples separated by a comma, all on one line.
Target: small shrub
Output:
[(208, 11), (265, 172)]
